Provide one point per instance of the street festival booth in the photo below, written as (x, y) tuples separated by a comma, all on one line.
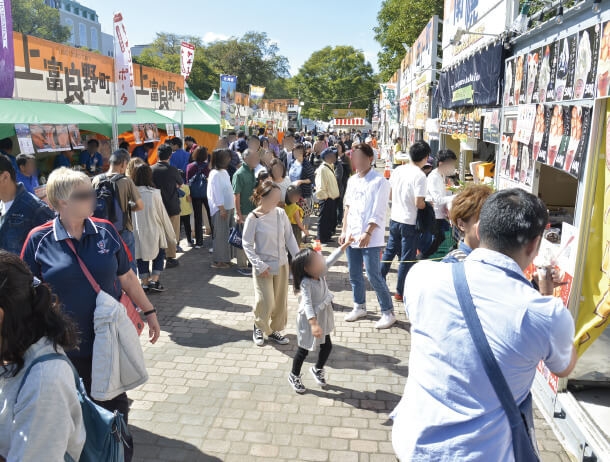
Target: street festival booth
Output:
[(64, 96), (468, 88), (555, 144), (418, 71)]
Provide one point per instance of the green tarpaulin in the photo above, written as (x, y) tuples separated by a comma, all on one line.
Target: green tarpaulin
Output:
[(198, 114)]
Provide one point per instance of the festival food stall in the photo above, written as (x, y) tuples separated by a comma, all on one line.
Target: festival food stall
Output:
[(554, 143)]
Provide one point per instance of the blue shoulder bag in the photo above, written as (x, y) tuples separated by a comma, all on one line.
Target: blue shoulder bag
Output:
[(520, 418), (106, 431)]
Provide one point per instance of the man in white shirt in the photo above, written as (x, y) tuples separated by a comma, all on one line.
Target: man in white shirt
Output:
[(440, 197), (449, 409), (365, 204), (408, 196)]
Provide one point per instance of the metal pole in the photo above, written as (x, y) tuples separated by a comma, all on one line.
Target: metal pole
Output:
[(182, 113)]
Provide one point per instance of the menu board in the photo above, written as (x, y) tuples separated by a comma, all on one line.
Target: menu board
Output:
[(491, 126), (463, 121), (145, 133), (24, 138), (603, 67)]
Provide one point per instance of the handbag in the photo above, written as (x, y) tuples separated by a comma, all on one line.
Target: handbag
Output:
[(235, 237), (132, 312), (426, 220), (520, 418), (106, 431)]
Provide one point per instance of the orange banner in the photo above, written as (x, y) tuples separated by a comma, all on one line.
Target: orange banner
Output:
[(49, 71)]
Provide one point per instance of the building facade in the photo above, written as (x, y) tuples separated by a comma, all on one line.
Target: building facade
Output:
[(82, 21)]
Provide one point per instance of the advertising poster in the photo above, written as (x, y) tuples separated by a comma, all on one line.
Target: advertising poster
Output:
[(24, 139), (541, 131), (566, 68), (139, 134), (548, 70), (579, 139), (75, 138), (177, 131), (169, 129), (533, 66), (151, 133), (555, 134), (520, 79), (256, 96), (525, 123), (586, 63), (63, 138), (44, 137), (491, 129), (594, 309), (509, 82), (565, 138), (228, 87), (603, 66)]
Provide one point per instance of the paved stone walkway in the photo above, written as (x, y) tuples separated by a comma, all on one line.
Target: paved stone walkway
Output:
[(214, 396)]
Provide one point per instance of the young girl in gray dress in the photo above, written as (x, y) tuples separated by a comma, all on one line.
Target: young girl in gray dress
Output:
[(315, 318)]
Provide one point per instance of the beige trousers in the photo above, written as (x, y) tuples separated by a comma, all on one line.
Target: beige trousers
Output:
[(171, 247), (271, 302)]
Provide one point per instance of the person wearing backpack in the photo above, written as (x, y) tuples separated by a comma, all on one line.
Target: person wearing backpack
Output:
[(32, 325), (197, 174), (117, 198)]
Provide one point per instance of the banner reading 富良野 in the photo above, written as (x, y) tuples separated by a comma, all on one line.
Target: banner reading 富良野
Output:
[(594, 308)]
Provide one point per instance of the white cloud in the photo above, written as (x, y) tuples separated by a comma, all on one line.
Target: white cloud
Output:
[(213, 36)]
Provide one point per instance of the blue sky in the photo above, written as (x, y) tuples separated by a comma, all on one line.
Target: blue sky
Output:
[(298, 27)]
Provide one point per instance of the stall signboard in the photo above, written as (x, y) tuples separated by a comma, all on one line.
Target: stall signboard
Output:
[(491, 126), (49, 71), (158, 90), (475, 81), (478, 16), (564, 70), (516, 162), (594, 310), (348, 113), (461, 123)]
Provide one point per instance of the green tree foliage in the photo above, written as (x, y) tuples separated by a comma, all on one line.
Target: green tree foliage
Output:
[(398, 22), (164, 53), (254, 59), (334, 75), (33, 17)]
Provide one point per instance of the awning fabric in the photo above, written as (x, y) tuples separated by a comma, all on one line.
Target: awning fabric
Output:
[(353, 122)]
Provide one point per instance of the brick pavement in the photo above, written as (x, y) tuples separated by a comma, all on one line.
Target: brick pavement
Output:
[(214, 396)]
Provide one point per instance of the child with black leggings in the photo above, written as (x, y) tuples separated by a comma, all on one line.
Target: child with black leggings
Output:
[(315, 318)]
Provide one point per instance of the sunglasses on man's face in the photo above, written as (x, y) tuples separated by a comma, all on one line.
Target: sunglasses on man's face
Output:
[(83, 195)]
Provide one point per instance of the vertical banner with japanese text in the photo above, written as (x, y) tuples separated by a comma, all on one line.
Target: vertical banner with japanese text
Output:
[(228, 87), (187, 55), (7, 57), (256, 96), (123, 68), (594, 309)]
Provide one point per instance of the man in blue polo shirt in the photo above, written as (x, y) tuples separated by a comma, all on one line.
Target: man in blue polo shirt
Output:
[(20, 211), (26, 173), (180, 158), (91, 160), (63, 159)]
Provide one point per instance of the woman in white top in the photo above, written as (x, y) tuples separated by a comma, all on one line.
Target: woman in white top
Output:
[(40, 417), (278, 175), (222, 204), (152, 229), (267, 234)]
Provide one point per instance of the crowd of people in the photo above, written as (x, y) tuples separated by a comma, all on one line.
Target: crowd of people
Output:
[(259, 200)]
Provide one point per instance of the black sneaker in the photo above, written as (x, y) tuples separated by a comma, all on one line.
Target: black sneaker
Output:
[(319, 376), (297, 385), (258, 337), (155, 286), (171, 263), (145, 288), (279, 338)]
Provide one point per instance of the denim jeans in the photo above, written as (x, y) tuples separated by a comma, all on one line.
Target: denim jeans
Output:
[(370, 256), (130, 241), (403, 242), (157, 265)]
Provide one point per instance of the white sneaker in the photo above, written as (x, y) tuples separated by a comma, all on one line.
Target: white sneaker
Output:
[(355, 314), (387, 320)]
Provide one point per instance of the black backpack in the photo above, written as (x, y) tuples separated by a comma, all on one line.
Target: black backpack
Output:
[(108, 206), (426, 220), (198, 185)]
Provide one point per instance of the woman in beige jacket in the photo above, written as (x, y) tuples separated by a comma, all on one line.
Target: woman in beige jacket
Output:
[(152, 229)]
